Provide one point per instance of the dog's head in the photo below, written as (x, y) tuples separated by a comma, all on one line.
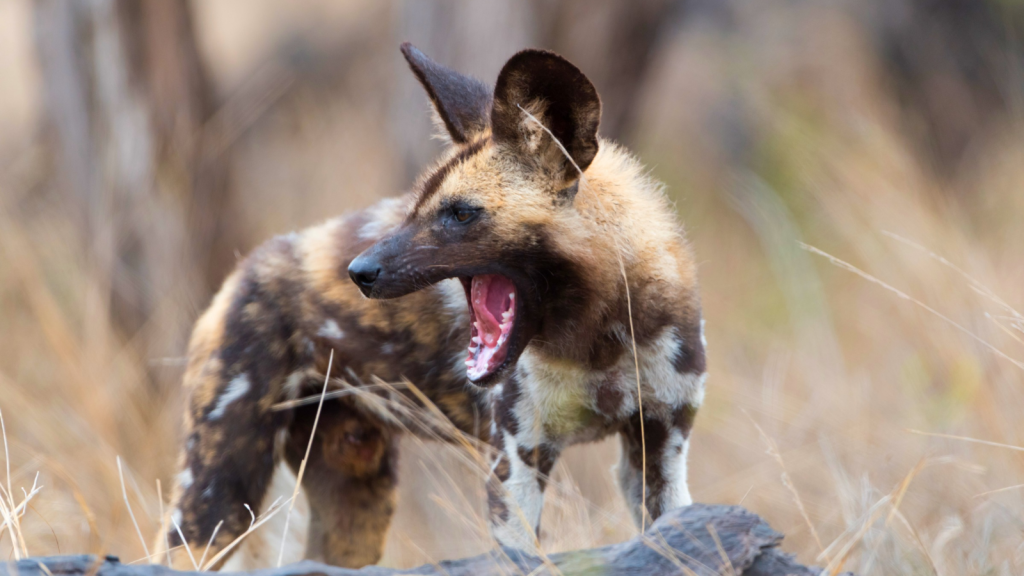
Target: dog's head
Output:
[(484, 214)]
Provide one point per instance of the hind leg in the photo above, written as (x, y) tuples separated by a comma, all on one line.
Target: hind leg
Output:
[(227, 464), (349, 481), (240, 357), (667, 443)]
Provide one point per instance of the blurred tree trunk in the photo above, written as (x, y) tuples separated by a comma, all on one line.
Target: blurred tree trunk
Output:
[(127, 100), (956, 67)]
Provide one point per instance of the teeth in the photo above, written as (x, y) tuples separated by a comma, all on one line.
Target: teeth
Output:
[(506, 326), (476, 340), (512, 296), (506, 315)]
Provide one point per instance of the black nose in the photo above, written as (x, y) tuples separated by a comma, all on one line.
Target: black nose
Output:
[(364, 271)]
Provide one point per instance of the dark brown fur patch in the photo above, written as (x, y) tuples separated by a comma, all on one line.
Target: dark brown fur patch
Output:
[(565, 196), (689, 357), (433, 183), (605, 351), (572, 107), (502, 470), (610, 395), (683, 419), (541, 458), (496, 506), (652, 436)]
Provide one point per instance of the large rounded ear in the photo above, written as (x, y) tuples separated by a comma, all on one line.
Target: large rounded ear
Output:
[(461, 102), (546, 86)]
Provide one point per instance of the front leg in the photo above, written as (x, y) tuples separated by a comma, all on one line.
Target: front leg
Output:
[(667, 442), (515, 490), (523, 458)]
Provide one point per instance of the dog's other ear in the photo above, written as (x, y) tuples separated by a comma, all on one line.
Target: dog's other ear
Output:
[(461, 102), (558, 95)]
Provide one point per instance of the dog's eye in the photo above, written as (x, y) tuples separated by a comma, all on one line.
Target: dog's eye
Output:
[(463, 214)]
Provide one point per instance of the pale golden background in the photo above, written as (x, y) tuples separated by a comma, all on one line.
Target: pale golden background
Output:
[(885, 132)]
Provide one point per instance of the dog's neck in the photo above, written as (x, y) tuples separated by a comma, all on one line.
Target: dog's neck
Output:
[(613, 246)]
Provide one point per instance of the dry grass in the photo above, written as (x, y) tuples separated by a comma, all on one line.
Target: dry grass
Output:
[(886, 376)]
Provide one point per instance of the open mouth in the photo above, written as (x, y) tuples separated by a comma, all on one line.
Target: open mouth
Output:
[(492, 315)]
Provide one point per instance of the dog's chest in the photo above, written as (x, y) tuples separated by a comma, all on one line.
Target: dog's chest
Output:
[(557, 400), (563, 402)]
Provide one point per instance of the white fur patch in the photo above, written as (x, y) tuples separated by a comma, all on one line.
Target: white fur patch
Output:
[(555, 394), (524, 500), (673, 469), (330, 329), (453, 296), (238, 387), (293, 384), (185, 478), (493, 396), (659, 377)]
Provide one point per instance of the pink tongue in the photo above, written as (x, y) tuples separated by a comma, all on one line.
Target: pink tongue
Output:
[(490, 294)]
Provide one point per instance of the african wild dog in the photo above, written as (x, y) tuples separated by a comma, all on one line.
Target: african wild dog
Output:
[(547, 276)]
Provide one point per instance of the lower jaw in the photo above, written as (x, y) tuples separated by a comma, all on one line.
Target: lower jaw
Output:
[(476, 375), (487, 380), (499, 360)]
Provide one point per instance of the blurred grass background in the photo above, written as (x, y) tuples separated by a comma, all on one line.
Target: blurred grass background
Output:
[(145, 145)]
